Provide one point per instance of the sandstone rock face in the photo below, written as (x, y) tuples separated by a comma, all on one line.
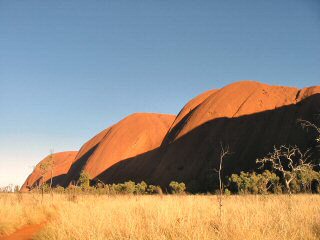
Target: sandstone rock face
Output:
[(61, 165), (248, 116), (191, 105), (135, 135)]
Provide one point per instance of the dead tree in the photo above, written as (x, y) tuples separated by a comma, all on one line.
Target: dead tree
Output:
[(51, 165), (224, 152), (289, 161), (43, 170), (307, 125)]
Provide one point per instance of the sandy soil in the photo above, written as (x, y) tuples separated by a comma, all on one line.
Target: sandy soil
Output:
[(25, 233)]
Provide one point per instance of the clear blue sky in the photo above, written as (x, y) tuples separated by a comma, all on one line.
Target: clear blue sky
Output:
[(69, 69)]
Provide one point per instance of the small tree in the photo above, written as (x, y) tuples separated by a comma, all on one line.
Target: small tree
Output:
[(288, 161), (51, 166), (7, 189), (177, 188), (16, 189), (254, 183), (305, 178), (84, 180), (43, 170), (154, 189), (141, 188), (128, 187), (44, 167), (269, 181)]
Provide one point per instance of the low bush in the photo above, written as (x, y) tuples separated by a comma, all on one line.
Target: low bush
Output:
[(154, 189), (177, 188), (254, 183)]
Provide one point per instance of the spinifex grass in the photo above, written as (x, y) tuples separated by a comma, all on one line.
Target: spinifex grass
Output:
[(170, 217)]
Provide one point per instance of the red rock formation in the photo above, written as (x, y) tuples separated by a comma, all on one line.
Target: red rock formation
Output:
[(61, 165), (248, 116), (135, 135)]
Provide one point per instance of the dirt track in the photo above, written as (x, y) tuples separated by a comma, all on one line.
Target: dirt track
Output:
[(25, 233)]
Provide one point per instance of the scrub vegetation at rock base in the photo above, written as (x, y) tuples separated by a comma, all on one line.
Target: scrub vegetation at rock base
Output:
[(248, 116)]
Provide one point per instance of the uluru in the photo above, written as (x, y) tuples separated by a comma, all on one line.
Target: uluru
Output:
[(160, 120), (248, 116), (135, 135), (61, 163)]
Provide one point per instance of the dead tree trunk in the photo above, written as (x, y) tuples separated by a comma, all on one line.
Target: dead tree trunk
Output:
[(223, 153)]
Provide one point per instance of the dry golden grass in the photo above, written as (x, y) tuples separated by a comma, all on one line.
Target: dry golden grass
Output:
[(172, 217), (17, 210)]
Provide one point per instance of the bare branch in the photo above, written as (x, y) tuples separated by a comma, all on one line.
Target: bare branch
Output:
[(288, 160), (306, 125), (223, 153)]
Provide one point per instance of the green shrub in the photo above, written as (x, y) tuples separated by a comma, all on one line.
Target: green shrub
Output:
[(101, 188), (128, 187), (227, 192), (45, 188), (122, 188), (177, 188), (84, 180), (154, 189), (253, 183), (141, 188), (305, 177)]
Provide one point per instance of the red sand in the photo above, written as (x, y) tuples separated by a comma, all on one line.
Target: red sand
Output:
[(25, 233)]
